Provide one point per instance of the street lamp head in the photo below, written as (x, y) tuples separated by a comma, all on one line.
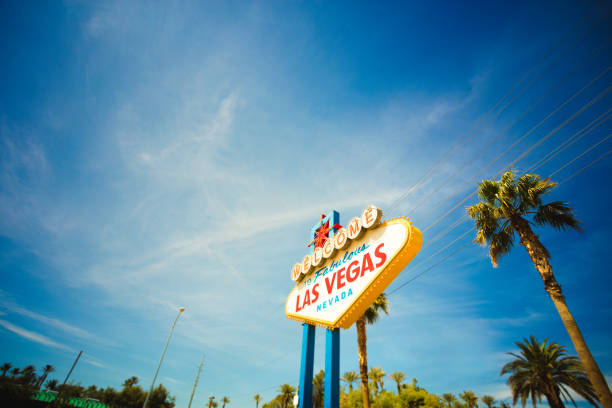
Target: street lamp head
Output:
[(181, 309)]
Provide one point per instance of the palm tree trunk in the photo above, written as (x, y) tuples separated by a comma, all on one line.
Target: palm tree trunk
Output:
[(539, 257), (363, 360), (398, 389), (554, 400)]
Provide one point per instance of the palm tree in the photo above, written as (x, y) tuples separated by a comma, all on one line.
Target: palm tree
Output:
[(503, 210), (287, 392), (398, 377), (5, 367), (28, 374), (471, 400), (130, 382), (225, 400), (257, 399), (52, 385), (318, 389), (46, 371), (15, 372), (370, 316), (449, 399), (377, 374), (374, 375), (488, 400), (545, 369), (211, 402), (350, 377)]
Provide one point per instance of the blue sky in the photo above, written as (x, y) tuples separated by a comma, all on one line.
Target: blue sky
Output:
[(166, 154)]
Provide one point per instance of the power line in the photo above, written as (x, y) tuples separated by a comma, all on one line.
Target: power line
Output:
[(555, 130), (521, 116), (458, 222), (582, 154), (463, 218), (458, 238), (429, 269), (586, 167), (570, 141), (443, 159), (443, 248), (568, 120), (567, 101)]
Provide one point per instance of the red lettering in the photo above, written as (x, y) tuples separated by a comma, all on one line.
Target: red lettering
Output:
[(330, 285), (380, 255), (306, 299), (341, 278), (297, 304), (367, 264), (350, 277), (315, 293)]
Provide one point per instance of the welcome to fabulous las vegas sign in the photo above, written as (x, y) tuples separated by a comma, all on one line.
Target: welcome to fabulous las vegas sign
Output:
[(346, 273)]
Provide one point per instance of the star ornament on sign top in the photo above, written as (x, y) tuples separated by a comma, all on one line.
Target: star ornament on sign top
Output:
[(322, 234)]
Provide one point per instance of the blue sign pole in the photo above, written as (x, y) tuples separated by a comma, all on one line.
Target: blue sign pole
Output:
[(332, 369), (332, 350), (305, 387)]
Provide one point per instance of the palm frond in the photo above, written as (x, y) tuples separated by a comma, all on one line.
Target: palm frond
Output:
[(501, 243), (525, 188), (507, 194), (531, 188), (372, 313), (486, 222), (488, 190), (558, 215), (477, 209)]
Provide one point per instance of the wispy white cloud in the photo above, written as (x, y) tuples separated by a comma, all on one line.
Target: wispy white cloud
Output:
[(33, 336), (71, 330), (172, 380), (46, 341), (24, 169), (56, 323), (94, 362)]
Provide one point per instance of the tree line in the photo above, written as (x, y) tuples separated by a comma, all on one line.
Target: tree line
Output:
[(18, 387), (539, 371)]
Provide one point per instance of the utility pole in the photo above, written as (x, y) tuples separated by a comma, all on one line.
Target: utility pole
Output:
[(73, 364), (181, 310), (195, 383)]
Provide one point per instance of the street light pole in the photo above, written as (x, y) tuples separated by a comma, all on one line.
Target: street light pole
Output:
[(181, 310), (195, 383)]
